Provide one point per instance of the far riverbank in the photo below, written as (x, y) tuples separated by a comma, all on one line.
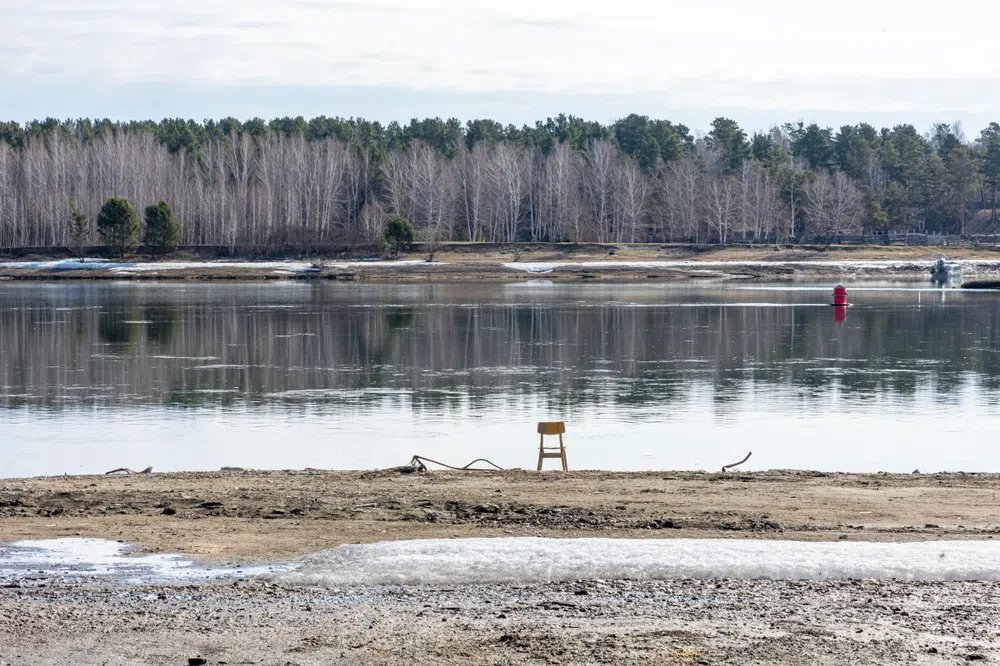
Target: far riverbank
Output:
[(458, 262)]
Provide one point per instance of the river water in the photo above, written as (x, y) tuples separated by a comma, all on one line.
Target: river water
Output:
[(95, 376)]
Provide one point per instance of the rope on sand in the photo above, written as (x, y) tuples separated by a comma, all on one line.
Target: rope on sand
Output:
[(417, 464), (725, 467)]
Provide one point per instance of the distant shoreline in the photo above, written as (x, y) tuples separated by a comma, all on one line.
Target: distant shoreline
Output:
[(459, 262)]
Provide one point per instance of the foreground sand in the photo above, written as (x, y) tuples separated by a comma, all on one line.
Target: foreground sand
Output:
[(259, 516), (265, 516), (595, 622)]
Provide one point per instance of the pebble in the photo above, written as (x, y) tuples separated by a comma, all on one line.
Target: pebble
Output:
[(738, 610)]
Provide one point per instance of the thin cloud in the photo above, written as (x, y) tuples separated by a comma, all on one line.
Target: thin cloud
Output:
[(256, 25), (332, 6), (773, 57), (68, 13), (545, 23)]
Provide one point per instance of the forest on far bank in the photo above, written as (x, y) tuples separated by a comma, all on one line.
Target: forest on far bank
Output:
[(294, 183)]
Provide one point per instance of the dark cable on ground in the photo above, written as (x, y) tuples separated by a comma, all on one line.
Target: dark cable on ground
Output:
[(418, 461), (725, 467), (417, 464)]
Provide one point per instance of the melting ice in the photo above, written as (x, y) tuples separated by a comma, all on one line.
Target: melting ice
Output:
[(525, 560), (78, 558)]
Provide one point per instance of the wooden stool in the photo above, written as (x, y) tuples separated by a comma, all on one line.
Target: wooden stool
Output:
[(551, 428)]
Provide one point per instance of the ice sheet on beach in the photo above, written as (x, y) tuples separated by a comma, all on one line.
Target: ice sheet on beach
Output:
[(525, 560), (148, 266), (846, 266), (286, 266), (64, 265), (76, 558), (530, 560)]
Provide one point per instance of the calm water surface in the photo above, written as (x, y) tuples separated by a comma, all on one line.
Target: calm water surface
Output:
[(292, 375)]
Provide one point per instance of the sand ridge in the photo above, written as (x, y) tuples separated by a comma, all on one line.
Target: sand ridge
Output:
[(243, 515)]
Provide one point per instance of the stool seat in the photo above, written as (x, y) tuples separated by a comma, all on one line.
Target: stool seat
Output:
[(556, 428)]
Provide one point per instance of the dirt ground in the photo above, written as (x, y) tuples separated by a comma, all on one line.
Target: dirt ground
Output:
[(264, 516), (259, 516), (595, 622)]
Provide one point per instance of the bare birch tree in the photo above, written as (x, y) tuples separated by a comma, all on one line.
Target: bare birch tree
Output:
[(598, 178), (833, 206)]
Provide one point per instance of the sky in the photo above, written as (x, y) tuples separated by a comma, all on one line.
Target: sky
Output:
[(689, 61)]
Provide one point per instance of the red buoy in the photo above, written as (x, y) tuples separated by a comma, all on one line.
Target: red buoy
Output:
[(840, 295)]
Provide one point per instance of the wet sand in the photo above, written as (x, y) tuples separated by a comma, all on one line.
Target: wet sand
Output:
[(268, 516)]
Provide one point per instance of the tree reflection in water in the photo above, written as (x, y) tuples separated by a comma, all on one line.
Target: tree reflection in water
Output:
[(449, 347)]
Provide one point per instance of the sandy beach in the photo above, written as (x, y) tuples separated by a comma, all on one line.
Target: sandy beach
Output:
[(257, 516), (267, 516)]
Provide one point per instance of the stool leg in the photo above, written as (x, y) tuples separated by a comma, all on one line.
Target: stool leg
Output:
[(562, 450), (541, 441)]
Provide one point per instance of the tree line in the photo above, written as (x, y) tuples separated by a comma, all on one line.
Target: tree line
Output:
[(296, 183)]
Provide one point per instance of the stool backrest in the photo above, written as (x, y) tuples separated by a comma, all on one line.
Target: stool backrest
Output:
[(551, 427)]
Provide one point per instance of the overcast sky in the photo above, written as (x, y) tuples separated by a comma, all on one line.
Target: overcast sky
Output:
[(760, 63)]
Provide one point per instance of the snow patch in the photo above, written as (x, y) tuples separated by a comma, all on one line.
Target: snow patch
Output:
[(146, 266), (532, 560), (848, 265), (83, 558), (65, 265), (529, 284), (131, 267)]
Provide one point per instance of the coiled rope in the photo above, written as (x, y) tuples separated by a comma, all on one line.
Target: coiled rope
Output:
[(419, 464)]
